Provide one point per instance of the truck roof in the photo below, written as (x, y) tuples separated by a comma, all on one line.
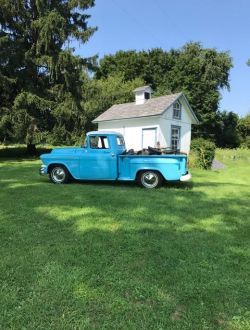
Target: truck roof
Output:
[(103, 133)]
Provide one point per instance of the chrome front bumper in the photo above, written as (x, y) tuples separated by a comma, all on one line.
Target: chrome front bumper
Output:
[(186, 177), (43, 170)]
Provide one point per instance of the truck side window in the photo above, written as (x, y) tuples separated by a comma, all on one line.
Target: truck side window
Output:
[(84, 145), (120, 141), (99, 142)]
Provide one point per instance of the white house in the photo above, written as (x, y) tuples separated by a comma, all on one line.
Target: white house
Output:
[(149, 121)]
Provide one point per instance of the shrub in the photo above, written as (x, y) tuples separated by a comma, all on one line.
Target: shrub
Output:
[(246, 142), (202, 153)]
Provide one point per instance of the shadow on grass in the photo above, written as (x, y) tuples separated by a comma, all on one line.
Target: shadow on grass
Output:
[(132, 184), (106, 256), (20, 153)]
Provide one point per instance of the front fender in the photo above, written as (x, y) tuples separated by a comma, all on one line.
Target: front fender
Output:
[(73, 170)]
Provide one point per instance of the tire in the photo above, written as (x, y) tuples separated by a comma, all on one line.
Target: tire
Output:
[(150, 179), (59, 174)]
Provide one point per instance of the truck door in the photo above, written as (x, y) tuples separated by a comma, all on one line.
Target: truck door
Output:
[(98, 162)]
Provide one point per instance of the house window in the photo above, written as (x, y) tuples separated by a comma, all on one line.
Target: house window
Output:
[(146, 96), (175, 137), (177, 110), (99, 142)]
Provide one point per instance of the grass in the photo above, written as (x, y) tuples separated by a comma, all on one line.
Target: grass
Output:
[(115, 256)]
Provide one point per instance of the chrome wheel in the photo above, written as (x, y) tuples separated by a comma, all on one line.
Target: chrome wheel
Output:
[(150, 179), (58, 174)]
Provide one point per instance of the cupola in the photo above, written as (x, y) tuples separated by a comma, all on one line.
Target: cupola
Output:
[(142, 94)]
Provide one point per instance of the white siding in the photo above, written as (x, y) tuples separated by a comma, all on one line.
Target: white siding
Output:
[(139, 98), (185, 123), (132, 129), (165, 127)]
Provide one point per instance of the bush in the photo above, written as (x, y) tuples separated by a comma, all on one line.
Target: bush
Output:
[(246, 142), (202, 153)]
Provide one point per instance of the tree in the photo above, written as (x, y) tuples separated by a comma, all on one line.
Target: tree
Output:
[(151, 66), (100, 94), (227, 135), (244, 130), (35, 59), (199, 72)]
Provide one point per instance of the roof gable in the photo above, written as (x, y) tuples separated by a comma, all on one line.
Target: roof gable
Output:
[(182, 98)]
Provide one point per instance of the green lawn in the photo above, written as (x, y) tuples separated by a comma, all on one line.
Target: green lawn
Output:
[(115, 256)]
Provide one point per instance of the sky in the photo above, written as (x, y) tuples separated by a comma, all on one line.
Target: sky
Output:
[(147, 24)]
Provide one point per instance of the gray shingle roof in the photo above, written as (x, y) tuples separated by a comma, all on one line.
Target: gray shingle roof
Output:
[(152, 107), (141, 89)]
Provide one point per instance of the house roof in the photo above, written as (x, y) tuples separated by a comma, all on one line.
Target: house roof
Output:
[(141, 89), (152, 107)]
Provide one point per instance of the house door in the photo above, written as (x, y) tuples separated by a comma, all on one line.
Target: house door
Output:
[(148, 137)]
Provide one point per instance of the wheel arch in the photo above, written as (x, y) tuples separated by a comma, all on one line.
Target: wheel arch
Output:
[(148, 169), (52, 165), (140, 179)]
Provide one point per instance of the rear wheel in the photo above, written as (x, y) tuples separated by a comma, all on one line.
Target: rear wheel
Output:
[(59, 174), (150, 179)]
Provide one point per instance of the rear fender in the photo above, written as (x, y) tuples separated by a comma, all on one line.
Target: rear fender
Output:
[(147, 169), (170, 172)]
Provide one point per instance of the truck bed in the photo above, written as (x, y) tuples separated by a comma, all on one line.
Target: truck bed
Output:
[(170, 166)]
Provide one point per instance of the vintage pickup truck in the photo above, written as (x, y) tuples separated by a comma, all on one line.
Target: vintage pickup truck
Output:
[(104, 157)]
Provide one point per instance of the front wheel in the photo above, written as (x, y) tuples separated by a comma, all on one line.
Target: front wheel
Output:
[(59, 174), (150, 179)]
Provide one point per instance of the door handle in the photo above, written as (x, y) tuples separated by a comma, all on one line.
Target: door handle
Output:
[(112, 155)]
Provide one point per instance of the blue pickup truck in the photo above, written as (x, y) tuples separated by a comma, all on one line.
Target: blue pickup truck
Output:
[(103, 156)]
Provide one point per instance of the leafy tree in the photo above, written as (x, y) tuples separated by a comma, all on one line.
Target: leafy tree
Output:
[(244, 130), (199, 72), (129, 64), (101, 94), (227, 135), (35, 61), (151, 66)]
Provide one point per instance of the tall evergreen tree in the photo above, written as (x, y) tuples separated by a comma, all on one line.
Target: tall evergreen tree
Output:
[(36, 62)]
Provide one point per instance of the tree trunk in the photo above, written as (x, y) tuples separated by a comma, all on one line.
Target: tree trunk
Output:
[(31, 149)]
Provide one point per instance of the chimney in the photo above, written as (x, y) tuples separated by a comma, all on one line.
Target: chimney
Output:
[(142, 94)]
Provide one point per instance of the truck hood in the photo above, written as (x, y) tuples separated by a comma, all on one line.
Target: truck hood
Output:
[(67, 151), (57, 152)]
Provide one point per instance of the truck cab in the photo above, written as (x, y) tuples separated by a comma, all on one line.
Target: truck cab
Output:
[(98, 157)]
